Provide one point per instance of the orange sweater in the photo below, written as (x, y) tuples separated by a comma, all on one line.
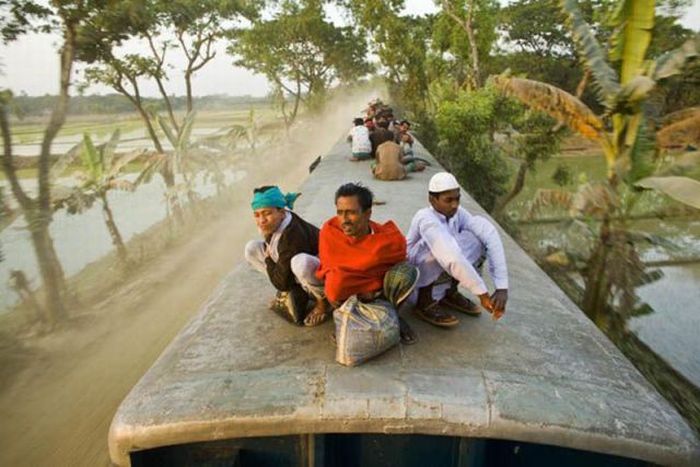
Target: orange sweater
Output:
[(350, 266)]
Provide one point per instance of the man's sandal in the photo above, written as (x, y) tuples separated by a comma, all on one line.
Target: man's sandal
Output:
[(437, 317), (317, 316)]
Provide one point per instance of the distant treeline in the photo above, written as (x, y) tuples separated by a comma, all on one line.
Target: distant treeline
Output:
[(116, 103)]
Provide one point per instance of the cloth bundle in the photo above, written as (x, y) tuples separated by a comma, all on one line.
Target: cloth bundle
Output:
[(364, 330)]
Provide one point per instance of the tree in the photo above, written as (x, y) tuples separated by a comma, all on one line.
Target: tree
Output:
[(466, 122), (191, 26), (622, 86), (476, 22), (402, 45), (123, 75), (536, 140), (81, 32), (301, 53), (197, 25)]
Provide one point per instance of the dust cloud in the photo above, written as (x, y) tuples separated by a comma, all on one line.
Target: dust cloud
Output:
[(59, 396)]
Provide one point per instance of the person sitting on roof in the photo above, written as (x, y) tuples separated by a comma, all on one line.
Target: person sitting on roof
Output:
[(448, 245), (358, 256), (390, 164), (404, 138), (359, 138), (286, 255), (381, 134)]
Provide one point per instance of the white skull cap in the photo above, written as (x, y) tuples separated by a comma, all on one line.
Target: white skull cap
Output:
[(442, 181)]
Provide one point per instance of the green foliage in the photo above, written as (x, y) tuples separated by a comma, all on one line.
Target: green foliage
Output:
[(535, 27), (402, 45), (301, 52), (606, 79), (19, 17), (562, 175), (111, 104), (538, 140), (448, 36), (465, 127)]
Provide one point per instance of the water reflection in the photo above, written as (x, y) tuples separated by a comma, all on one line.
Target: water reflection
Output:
[(83, 238), (672, 330)]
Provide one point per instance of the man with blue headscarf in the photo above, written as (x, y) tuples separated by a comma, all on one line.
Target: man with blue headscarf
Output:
[(288, 255)]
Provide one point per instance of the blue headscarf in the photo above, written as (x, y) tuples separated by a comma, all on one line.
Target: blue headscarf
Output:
[(273, 197)]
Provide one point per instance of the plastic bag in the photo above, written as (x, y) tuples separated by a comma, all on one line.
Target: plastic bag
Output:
[(364, 330)]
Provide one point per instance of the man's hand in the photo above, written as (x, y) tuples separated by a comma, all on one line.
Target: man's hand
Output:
[(486, 302), (499, 300)]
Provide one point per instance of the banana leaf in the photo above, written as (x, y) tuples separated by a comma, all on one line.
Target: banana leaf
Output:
[(593, 55), (107, 150), (634, 21), (671, 63), (90, 157), (64, 161), (683, 189)]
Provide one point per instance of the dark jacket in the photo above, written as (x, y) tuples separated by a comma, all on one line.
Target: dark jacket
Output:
[(378, 136), (298, 237)]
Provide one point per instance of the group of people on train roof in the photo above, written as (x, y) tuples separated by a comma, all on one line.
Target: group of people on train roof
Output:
[(387, 142), (316, 270)]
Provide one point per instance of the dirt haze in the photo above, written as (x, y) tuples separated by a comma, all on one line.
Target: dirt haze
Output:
[(59, 397)]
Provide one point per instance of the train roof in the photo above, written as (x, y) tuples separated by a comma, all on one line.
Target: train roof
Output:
[(543, 374)]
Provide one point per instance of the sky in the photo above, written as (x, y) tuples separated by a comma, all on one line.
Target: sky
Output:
[(30, 65)]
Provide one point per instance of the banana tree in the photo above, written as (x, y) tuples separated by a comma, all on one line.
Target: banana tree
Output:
[(186, 160), (172, 162), (623, 79), (98, 173)]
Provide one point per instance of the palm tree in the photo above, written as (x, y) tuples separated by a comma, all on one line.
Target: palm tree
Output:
[(99, 173), (623, 81)]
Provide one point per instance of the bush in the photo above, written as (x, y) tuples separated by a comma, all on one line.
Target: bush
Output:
[(465, 128)]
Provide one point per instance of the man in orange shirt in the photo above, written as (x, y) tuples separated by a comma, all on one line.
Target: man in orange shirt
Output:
[(361, 257)]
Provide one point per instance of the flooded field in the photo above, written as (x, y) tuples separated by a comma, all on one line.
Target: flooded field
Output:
[(27, 135), (83, 238)]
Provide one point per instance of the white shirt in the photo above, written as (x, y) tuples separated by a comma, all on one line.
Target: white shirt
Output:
[(275, 239), (360, 139), (432, 234)]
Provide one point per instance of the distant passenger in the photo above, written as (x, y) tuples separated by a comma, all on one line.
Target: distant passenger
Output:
[(364, 258), (390, 164), (404, 138), (387, 165), (359, 138), (287, 255), (381, 134), (448, 245), (369, 123)]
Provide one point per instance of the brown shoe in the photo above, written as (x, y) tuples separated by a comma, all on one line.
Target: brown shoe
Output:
[(437, 317), (429, 310), (458, 302)]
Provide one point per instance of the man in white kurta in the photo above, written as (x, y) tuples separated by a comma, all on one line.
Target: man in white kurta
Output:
[(448, 245)]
